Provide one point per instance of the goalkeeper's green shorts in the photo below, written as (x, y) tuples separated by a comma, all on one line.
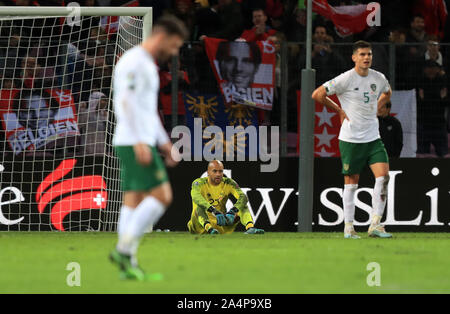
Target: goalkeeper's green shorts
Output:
[(136, 177)]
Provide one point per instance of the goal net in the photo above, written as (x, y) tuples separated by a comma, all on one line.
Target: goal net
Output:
[(57, 167)]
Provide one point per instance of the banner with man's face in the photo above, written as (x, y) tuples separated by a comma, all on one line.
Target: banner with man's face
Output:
[(245, 71), (39, 118)]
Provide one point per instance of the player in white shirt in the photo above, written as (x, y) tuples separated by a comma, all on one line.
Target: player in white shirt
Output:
[(361, 91), (138, 135)]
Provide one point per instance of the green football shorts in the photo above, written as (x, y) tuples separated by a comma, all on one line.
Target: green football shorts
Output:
[(355, 156), (136, 177)]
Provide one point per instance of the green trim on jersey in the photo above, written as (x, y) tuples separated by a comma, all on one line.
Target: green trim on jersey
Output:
[(355, 156), (136, 177)]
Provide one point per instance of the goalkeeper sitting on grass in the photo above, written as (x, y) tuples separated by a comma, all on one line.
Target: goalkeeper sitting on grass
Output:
[(209, 196)]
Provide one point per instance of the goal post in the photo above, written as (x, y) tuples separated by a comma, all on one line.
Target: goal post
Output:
[(145, 12), (58, 170)]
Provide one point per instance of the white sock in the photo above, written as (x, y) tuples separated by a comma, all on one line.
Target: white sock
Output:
[(124, 219), (349, 202), (148, 212), (379, 198)]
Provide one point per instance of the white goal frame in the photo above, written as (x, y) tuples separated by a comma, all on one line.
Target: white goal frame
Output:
[(146, 13)]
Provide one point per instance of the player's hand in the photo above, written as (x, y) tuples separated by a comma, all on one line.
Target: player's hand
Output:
[(171, 156), (231, 215), (221, 220), (143, 154), (343, 116)]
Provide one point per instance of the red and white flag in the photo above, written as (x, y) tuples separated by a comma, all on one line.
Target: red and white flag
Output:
[(41, 120), (327, 124), (349, 19)]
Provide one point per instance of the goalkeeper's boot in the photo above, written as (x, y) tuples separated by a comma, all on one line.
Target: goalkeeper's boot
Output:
[(377, 231), (213, 231), (351, 234), (254, 230)]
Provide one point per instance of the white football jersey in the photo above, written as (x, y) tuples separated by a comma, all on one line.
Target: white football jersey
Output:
[(358, 96), (136, 88)]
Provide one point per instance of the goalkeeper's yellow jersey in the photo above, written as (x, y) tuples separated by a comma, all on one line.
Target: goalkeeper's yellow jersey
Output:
[(205, 195)]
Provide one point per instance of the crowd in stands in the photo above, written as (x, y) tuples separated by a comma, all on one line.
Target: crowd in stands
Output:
[(419, 31)]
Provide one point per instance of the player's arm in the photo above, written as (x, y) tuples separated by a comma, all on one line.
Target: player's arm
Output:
[(384, 98), (171, 156), (240, 206), (320, 95), (241, 198)]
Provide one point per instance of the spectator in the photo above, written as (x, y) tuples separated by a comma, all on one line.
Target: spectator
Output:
[(398, 38), (260, 30), (327, 63), (390, 131), (184, 10), (413, 58), (92, 120), (431, 106), (434, 54), (435, 15), (230, 17), (275, 114), (32, 70), (247, 8), (8, 91), (296, 26), (417, 34), (165, 75), (207, 20)]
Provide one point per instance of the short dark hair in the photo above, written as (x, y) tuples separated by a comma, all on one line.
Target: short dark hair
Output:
[(417, 15), (171, 25), (360, 44), (259, 9)]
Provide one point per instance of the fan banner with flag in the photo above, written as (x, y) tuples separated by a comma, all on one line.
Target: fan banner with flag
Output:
[(209, 110), (327, 124), (348, 19), (39, 118), (244, 70)]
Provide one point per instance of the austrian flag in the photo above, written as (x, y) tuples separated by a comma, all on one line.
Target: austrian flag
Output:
[(349, 19)]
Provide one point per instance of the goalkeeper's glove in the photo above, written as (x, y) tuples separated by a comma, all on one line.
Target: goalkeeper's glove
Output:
[(221, 220), (231, 215)]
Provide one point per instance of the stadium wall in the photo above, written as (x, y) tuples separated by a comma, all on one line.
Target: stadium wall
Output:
[(37, 195)]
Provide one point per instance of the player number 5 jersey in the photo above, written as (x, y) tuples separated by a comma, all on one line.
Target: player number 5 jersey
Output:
[(358, 96)]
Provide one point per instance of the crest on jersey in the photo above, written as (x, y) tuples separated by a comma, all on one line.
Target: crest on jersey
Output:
[(131, 81), (373, 87), (346, 167)]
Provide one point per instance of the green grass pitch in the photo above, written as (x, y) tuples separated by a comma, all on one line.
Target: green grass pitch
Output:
[(35, 262)]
